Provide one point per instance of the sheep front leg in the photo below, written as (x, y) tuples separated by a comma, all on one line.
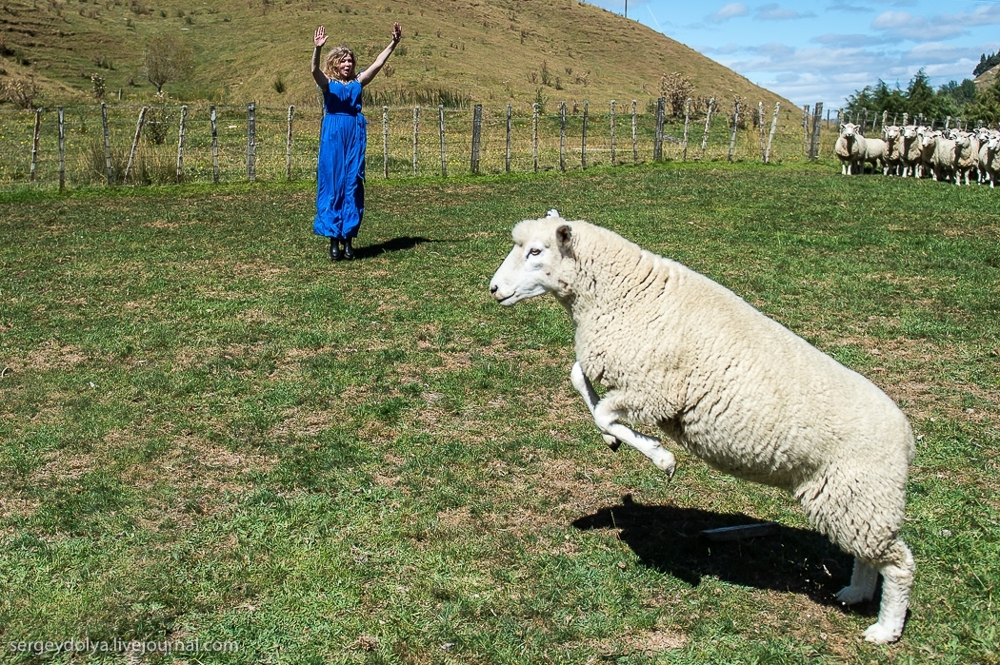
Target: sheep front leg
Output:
[(606, 417), (589, 395)]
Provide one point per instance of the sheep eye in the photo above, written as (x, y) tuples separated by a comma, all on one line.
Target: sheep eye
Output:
[(534, 251)]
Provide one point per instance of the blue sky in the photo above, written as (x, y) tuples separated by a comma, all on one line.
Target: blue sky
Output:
[(825, 50)]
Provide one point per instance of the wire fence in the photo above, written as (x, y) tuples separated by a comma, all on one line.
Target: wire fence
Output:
[(168, 143)]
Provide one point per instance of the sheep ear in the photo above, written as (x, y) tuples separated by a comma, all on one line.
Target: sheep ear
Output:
[(564, 238)]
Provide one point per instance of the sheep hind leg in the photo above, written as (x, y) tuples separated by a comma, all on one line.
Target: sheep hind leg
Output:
[(606, 417), (862, 587), (897, 574)]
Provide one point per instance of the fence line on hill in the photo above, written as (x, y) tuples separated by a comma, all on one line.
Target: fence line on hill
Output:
[(158, 144)]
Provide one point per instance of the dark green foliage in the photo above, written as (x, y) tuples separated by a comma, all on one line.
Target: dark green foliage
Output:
[(986, 62)]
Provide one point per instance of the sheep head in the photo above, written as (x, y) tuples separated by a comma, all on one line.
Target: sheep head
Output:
[(848, 130), (534, 265)]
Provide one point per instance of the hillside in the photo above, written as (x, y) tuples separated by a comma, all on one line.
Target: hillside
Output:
[(986, 79), (490, 51)]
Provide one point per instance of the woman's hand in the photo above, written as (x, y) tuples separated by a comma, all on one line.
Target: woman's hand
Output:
[(320, 37), (397, 33)]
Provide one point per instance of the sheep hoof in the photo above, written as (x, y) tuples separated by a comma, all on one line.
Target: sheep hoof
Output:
[(613, 443), (879, 634), (666, 462), (851, 595)]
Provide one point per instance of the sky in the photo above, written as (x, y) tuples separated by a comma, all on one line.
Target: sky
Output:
[(826, 50)]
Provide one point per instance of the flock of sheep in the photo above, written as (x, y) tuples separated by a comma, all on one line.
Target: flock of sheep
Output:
[(951, 155)]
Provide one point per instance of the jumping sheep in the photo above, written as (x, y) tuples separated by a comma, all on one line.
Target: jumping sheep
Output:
[(850, 148), (676, 350)]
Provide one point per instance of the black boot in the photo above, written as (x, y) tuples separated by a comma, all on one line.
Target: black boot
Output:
[(348, 250), (334, 249)]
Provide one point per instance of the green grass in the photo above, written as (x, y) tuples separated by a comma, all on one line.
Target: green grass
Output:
[(210, 431)]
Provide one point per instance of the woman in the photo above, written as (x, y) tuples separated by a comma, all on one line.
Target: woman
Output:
[(340, 177)]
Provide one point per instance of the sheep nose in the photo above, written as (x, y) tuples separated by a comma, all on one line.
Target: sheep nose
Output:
[(494, 288)]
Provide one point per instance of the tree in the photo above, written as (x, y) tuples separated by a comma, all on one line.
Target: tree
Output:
[(961, 94), (987, 105), (986, 63), (922, 100), (167, 59)]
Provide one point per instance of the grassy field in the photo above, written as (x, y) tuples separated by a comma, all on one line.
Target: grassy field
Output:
[(211, 432)]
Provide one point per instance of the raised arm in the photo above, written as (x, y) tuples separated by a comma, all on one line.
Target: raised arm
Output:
[(318, 40), (367, 75)]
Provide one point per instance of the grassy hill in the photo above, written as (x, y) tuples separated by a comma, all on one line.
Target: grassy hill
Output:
[(489, 51)]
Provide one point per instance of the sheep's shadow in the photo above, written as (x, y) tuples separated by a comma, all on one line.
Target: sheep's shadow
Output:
[(393, 245), (670, 539)]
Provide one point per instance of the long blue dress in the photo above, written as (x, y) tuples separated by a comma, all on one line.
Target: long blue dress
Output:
[(340, 175)]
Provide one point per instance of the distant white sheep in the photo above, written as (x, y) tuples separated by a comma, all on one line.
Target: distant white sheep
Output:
[(911, 151), (875, 154), (989, 160), (966, 155), (893, 137), (679, 351), (937, 154), (850, 148)]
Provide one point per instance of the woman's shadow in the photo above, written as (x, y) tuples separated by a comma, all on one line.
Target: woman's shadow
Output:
[(393, 245), (671, 539)]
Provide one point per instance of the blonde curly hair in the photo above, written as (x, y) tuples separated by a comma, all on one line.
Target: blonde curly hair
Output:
[(333, 60)]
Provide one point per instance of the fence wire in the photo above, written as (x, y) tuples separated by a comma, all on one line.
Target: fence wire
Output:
[(279, 143)]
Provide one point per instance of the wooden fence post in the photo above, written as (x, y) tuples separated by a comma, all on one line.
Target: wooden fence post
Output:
[(34, 144), (736, 122), (251, 142), (416, 132), (385, 142), (613, 146), (583, 145), (444, 159), (180, 143), (107, 145), (288, 144), (562, 136), (62, 150), (215, 145), (506, 164), (770, 137), (534, 136), (477, 129), (687, 122), (135, 144), (708, 122), (635, 132), (658, 136), (760, 126), (817, 118), (805, 129)]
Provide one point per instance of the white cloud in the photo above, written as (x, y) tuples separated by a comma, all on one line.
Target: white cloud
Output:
[(918, 28), (773, 12), (732, 10)]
